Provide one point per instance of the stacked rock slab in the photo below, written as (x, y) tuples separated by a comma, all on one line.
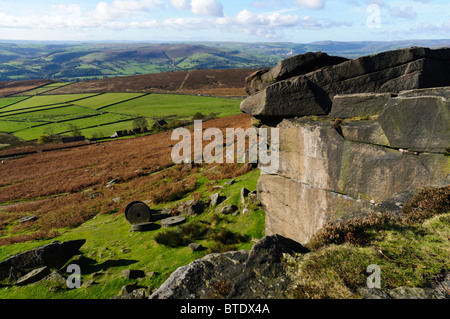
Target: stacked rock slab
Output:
[(390, 140), (312, 93)]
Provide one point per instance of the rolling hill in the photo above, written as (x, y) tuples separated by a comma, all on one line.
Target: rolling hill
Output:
[(26, 60), (95, 61)]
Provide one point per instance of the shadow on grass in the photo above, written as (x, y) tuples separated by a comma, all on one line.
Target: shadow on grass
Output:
[(89, 265)]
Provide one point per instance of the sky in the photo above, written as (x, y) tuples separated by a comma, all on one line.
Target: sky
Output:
[(298, 21)]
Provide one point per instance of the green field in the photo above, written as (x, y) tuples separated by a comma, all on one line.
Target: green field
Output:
[(181, 106), (106, 99), (5, 101), (101, 114)]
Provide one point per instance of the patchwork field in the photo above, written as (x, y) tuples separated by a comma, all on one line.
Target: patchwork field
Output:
[(101, 114)]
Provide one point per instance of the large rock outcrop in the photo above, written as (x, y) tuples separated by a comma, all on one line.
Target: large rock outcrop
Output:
[(379, 133), (312, 93), (53, 255), (243, 274)]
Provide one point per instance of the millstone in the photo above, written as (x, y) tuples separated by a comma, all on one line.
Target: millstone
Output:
[(143, 227), (138, 213), (173, 221)]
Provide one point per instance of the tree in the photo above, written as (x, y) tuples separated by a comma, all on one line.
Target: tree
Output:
[(140, 123), (44, 139), (75, 131), (198, 116)]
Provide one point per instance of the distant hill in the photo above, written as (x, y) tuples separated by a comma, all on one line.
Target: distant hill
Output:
[(27, 60), (96, 61)]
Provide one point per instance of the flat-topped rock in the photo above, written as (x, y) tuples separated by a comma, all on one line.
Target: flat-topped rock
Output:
[(359, 104), (418, 122)]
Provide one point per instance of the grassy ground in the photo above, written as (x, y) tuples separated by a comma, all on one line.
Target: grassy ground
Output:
[(412, 252), (111, 247)]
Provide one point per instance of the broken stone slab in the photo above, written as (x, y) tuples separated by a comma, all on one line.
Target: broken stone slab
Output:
[(432, 91), (132, 291), (287, 68), (196, 208), (191, 207), (369, 132), (133, 273), (53, 255), (55, 278), (216, 199), (359, 105), (229, 209), (33, 276), (27, 218), (195, 247), (244, 194), (303, 98), (112, 182), (386, 72), (418, 123)]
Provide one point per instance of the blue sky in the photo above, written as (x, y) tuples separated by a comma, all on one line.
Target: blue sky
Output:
[(300, 21)]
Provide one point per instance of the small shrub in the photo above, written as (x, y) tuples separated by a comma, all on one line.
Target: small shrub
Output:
[(218, 248), (171, 238), (198, 116), (426, 204), (44, 139), (354, 231), (227, 237), (182, 235)]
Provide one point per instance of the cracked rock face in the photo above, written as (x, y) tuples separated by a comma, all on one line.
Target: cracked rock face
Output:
[(326, 173), (353, 136)]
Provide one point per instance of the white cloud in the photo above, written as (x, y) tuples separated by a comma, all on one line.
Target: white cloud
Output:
[(311, 23), (310, 4), (274, 19), (268, 4), (212, 8), (180, 4), (118, 8), (407, 13), (430, 28), (247, 17)]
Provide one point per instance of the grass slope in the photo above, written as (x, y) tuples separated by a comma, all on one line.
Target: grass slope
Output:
[(112, 247)]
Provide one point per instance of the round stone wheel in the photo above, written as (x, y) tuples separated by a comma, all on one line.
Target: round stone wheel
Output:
[(138, 213), (173, 221), (143, 227)]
